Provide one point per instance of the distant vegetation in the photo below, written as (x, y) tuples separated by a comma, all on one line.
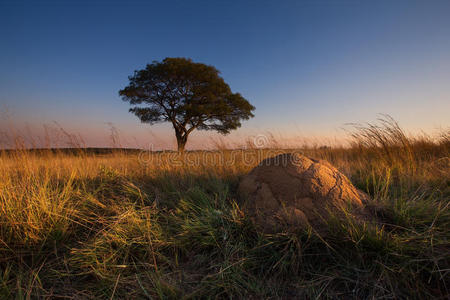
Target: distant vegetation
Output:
[(123, 225)]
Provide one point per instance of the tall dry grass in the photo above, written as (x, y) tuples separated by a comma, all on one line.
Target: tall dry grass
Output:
[(139, 224)]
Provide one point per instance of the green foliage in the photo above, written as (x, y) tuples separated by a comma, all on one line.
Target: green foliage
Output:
[(187, 94)]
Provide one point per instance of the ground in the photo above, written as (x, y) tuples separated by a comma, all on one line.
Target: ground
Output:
[(87, 225)]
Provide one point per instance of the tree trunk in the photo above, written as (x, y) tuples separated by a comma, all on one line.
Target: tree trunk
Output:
[(181, 140)]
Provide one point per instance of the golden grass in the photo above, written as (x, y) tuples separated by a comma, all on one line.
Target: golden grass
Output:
[(94, 225)]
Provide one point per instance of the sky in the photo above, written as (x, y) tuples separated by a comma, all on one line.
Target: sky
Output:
[(309, 67)]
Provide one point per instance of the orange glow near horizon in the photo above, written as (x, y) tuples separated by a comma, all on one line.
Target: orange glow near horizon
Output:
[(161, 137)]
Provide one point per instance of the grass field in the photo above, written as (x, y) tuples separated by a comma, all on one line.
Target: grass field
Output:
[(86, 225)]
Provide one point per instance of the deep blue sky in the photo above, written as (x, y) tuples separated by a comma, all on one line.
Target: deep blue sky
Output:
[(307, 66)]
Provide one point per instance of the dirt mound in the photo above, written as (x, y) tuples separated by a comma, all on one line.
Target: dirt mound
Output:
[(292, 190)]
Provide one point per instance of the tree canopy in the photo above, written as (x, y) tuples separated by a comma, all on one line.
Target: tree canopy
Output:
[(189, 95)]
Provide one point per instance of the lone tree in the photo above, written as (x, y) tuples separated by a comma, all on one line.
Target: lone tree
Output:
[(189, 95)]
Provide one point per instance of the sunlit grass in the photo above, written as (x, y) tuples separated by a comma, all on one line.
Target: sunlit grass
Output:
[(139, 225)]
